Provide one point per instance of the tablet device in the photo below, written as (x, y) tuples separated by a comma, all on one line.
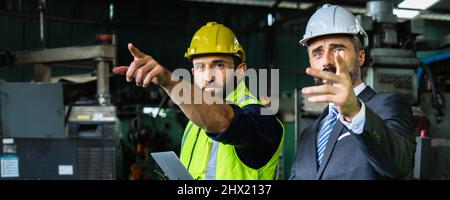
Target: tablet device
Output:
[(171, 165)]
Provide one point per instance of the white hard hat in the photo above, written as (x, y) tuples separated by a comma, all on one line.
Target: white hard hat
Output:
[(332, 19)]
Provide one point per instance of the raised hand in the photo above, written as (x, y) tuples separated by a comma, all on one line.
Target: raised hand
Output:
[(144, 69), (340, 92)]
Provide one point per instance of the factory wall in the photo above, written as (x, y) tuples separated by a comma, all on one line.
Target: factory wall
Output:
[(164, 31)]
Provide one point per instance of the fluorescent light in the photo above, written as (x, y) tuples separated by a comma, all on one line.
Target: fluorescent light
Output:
[(409, 14), (356, 10), (417, 4), (295, 5), (270, 19), (433, 16)]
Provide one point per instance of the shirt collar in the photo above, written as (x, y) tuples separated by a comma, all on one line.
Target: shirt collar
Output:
[(359, 88), (240, 91)]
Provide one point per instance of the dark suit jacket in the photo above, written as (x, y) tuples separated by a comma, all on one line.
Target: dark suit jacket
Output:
[(385, 149)]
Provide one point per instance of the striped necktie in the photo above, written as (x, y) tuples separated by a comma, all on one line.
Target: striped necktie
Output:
[(325, 131)]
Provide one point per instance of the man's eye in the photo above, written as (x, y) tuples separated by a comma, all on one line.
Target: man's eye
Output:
[(219, 66), (199, 67), (337, 49), (317, 54)]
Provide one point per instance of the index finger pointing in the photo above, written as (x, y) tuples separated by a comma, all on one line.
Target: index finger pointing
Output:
[(135, 51), (341, 66)]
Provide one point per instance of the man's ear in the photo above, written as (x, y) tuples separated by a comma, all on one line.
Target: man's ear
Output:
[(361, 57), (242, 66), (192, 70)]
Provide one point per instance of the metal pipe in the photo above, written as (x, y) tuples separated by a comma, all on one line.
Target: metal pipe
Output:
[(114, 43), (103, 95), (381, 11), (42, 8), (42, 73)]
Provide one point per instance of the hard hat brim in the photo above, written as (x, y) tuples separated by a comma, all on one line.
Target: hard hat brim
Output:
[(304, 41)]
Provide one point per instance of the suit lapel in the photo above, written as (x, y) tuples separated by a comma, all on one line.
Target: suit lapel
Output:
[(312, 151), (366, 94)]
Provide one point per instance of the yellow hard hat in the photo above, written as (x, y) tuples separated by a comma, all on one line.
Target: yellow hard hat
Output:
[(215, 38)]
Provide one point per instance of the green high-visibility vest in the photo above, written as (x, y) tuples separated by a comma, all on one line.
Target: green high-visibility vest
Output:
[(208, 159)]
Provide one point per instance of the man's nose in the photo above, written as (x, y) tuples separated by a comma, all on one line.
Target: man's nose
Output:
[(328, 59), (210, 75)]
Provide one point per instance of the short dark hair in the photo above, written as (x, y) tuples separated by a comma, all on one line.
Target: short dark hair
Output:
[(356, 40), (236, 59), (357, 43)]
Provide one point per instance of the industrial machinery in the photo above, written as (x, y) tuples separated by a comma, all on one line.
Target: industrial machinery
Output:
[(42, 60), (57, 159), (34, 144), (434, 73), (91, 121), (394, 67), (22, 106), (87, 131), (392, 61), (41, 139), (153, 126)]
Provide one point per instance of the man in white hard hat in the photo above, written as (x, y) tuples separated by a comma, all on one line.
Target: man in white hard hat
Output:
[(361, 134)]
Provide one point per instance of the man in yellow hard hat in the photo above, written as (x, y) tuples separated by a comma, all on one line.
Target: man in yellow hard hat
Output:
[(222, 140)]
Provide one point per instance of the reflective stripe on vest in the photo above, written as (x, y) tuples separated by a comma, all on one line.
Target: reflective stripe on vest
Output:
[(186, 134), (212, 161), (245, 97)]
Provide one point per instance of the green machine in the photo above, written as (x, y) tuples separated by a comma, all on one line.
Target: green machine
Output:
[(143, 129)]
